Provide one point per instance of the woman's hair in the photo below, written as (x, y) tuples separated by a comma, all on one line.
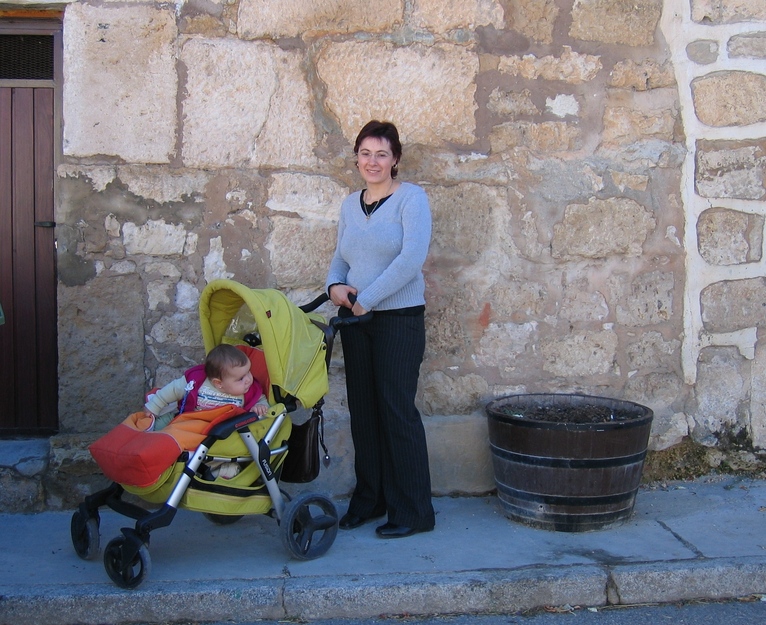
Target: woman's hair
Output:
[(222, 358), (382, 130)]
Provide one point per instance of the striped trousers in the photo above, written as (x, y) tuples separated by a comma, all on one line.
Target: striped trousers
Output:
[(382, 360)]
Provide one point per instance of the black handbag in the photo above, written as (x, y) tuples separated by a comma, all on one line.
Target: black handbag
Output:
[(302, 462)]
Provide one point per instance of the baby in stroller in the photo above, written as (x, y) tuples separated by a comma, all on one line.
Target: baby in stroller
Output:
[(224, 378)]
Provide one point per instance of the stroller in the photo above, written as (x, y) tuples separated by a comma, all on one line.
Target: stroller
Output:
[(289, 348)]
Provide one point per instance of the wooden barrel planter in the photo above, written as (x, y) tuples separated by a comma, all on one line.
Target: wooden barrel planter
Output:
[(566, 462)]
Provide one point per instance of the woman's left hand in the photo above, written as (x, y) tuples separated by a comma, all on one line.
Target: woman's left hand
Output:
[(358, 310)]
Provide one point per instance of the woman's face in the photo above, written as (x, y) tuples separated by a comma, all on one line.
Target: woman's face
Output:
[(375, 159)]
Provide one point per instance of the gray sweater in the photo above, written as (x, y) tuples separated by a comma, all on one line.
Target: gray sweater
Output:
[(383, 256)]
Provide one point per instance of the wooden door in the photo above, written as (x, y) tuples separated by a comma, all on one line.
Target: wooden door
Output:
[(28, 123)]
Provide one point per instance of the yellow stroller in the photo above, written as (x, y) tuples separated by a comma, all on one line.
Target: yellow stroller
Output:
[(289, 348)]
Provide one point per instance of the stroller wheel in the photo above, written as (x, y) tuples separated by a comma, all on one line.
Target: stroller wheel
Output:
[(126, 574), (222, 519), (309, 526), (85, 535)]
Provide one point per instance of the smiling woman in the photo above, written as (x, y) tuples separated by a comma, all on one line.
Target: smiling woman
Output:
[(384, 232)]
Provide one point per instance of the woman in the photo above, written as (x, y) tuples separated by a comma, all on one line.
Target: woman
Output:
[(383, 237)]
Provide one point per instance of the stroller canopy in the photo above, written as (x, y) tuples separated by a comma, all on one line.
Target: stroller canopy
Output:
[(293, 346)]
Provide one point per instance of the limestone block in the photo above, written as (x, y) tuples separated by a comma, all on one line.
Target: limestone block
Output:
[(579, 354), (157, 293), (503, 344), (601, 228), (542, 138), (458, 454), (626, 22), (301, 250), (510, 103), (634, 182), (727, 11), (535, 19), (732, 305), (731, 169), (641, 76), (229, 88), (647, 299), (287, 138), (571, 67), (726, 98), (428, 92), (517, 300), (187, 296), (466, 219), (748, 45), (720, 394), (702, 51), (154, 238), (181, 329), (729, 237), (101, 338), (661, 391), (668, 431), (581, 304), (215, 267), (624, 125), (120, 77), (19, 494), (310, 197), (651, 352), (441, 16), (163, 186), (445, 394), (309, 18)]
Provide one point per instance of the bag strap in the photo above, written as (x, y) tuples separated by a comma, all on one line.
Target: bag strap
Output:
[(317, 412)]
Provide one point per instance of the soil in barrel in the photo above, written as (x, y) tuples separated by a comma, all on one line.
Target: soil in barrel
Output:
[(585, 413)]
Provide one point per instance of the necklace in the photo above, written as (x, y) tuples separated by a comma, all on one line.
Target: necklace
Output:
[(369, 209)]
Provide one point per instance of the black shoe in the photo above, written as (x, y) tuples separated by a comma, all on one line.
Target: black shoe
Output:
[(392, 530), (350, 521)]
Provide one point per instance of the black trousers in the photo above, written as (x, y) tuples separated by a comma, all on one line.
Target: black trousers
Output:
[(382, 359)]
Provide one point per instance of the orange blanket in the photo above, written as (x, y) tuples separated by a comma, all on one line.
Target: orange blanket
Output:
[(130, 455)]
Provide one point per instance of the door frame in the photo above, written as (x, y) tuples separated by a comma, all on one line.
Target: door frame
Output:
[(41, 22)]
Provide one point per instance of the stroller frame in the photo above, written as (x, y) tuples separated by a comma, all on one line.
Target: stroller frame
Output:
[(308, 524)]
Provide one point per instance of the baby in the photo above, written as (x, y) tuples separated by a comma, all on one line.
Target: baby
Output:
[(224, 378)]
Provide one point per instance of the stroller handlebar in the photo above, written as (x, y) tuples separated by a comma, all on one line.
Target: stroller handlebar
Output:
[(312, 306), (337, 322)]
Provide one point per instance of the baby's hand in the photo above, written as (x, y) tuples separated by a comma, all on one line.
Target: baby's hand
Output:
[(260, 409)]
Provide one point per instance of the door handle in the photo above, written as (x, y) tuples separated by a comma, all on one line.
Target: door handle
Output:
[(45, 224)]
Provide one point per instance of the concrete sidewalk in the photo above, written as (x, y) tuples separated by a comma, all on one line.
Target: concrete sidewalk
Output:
[(704, 539)]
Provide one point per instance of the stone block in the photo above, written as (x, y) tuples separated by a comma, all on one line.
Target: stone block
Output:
[(101, 338), (641, 76), (733, 305), (602, 228), (229, 87), (731, 169), (747, 45), (301, 250), (702, 51), (442, 16), (625, 22), (571, 67), (134, 111), (580, 354), (726, 98), (645, 299), (730, 237), (276, 19), (428, 90), (535, 19), (716, 12)]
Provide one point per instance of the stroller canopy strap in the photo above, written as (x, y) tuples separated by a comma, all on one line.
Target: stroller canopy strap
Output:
[(293, 346)]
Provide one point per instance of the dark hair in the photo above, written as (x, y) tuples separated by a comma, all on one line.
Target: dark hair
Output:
[(222, 358), (382, 130)]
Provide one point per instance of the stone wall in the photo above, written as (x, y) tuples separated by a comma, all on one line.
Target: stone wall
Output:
[(595, 170)]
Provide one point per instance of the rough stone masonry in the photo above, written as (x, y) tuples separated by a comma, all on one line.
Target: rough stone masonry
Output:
[(596, 170)]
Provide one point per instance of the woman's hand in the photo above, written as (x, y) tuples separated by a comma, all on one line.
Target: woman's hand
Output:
[(358, 310), (339, 295)]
